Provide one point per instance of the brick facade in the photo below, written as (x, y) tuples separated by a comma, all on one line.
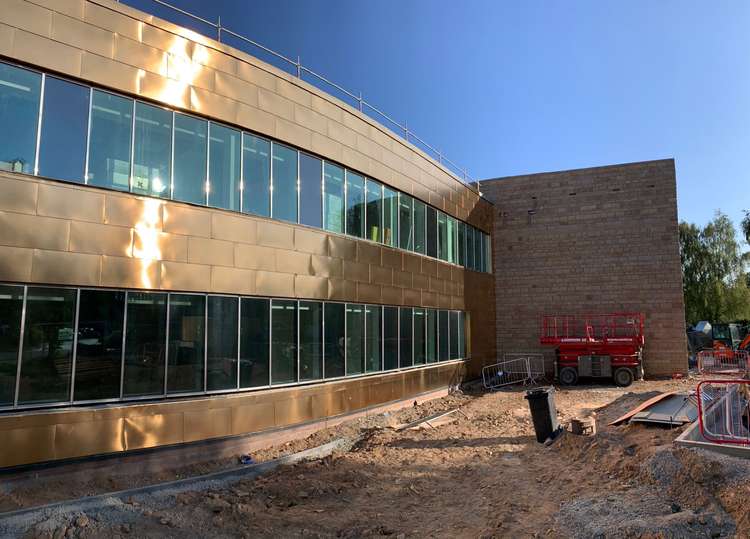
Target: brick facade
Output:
[(592, 240)]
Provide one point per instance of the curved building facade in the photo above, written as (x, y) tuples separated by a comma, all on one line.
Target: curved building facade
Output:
[(196, 245)]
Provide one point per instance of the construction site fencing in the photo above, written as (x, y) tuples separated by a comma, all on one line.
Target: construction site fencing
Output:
[(724, 411), (717, 362), (537, 370), (519, 370)]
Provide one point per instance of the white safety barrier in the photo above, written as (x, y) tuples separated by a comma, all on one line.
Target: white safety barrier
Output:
[(734, 362), (519, 370)]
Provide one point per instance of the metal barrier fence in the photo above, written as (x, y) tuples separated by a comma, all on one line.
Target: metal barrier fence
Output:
[(724, 411), (296, 68), (734, 362), (519, 370)]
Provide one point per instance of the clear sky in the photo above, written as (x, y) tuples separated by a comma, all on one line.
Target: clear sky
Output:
[(509, 87)]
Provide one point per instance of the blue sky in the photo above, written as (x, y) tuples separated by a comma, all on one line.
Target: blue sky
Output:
[(508, 88)]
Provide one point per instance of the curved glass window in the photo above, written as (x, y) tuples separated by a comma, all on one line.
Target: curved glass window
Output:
[(310, 340), (355, 205), (256, 166), (224, 167), (19, 115), (101, 315), (390, 338), (310, 185), (47, 355), (254, 344), (373, 347), (333, 198), (284, 183), (189, 184), (432, 336), (11, 309), (406, 337), (145, 344), (374, 211), (222, 341), (283, 341), (335, 339), (420, 218), (420, 336), (155, 151), (109, 141), (443, 336), (355, 339), (152, 152), (62, 147)]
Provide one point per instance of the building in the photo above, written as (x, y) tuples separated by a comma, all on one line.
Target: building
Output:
[(195, 245)]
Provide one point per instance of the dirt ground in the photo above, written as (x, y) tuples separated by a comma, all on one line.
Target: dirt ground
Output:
[(480, 475)]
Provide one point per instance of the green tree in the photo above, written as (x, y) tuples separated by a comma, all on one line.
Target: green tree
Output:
[(713, 277), (746, 226)]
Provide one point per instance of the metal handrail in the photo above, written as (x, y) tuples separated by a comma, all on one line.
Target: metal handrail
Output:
[(401, 130)]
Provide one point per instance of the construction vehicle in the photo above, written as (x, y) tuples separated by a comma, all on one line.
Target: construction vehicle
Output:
[(596, 346), (718, 337)]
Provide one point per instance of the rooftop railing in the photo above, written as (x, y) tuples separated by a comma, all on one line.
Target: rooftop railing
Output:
[(295, 68)]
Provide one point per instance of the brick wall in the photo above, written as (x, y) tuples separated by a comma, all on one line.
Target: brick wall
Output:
[(592, 240)]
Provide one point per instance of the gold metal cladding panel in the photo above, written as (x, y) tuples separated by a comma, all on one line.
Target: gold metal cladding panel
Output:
[(232, 280), (381, 275), (15, 264), (255, 257), (275, 235), (19, 230), (274, 284), (310, 287), (69, 202), (179, 276), (88, 438), (18, 195), (233, 228), (57, 267), (42, 436), (308, 241), (119, 272), (325, 266), (100, 239)]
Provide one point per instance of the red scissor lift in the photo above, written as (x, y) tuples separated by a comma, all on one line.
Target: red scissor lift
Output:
[(596, 346)]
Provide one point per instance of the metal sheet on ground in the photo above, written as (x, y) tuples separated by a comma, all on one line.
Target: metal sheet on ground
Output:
[(675, 410)]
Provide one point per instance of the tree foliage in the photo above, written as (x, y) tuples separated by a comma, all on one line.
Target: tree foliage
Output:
[(746, 226), (713, 271)]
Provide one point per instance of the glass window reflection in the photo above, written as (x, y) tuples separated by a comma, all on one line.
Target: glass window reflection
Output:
[(373, 347), (406, 224), (255, 324), (406, 346), (11, 309), (284, 172), (374, 211), (310, 340), (390, 338), (109, 141), (152, 152), (187, 318), (99, 350), (355, 203), (19, 115), (256, 177), (145, 344), (333, 200), (47, 354), (189, 183), (334, 340), (355, 339), (62, 147), (310, 185), (221, 339), (224, 167), (283, 341)]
